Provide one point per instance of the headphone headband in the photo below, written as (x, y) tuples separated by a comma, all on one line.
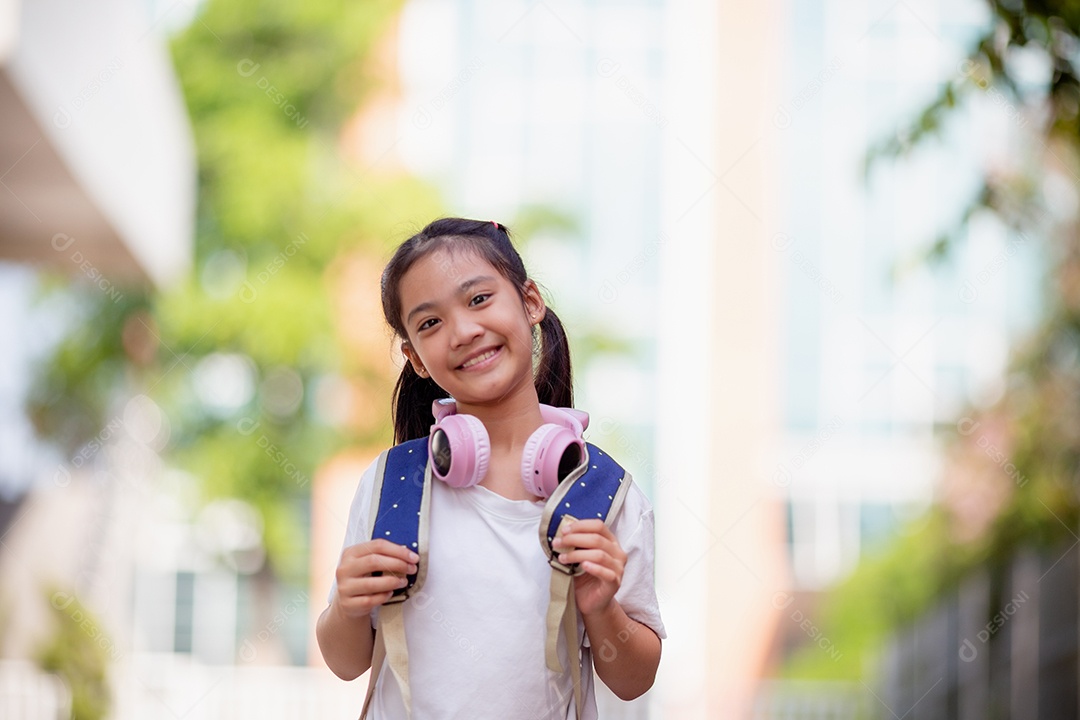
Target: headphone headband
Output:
[(570, 418)]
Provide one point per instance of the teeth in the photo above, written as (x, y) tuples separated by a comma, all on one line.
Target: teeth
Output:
[(480, 358)]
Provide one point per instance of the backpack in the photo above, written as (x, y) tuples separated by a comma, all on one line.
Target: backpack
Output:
[(400, 512)]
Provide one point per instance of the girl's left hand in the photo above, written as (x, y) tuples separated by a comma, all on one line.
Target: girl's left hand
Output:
[(591, 543)]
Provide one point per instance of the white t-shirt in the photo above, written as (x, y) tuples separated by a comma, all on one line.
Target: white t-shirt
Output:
[(476, 630)]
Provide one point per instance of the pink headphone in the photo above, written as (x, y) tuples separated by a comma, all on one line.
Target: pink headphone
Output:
[(458, 448)]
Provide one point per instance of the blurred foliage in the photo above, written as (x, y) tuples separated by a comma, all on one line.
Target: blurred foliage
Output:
[(285, 215), (295, 219), (533, 219), (1024, 452), (78, 653)]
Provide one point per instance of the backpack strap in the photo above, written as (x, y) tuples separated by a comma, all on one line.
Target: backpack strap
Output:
[(596, 489), (400, 512), (401, 503)]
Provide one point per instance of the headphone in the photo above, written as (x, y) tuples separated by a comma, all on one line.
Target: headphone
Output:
[(459, 449)]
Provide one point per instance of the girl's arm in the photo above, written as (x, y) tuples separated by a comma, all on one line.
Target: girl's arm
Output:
[(345, 642), (627, 653), (344, 629)]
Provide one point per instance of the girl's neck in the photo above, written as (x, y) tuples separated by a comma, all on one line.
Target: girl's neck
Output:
[(509, 422)]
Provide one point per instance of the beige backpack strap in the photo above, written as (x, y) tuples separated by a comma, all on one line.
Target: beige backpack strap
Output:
[(562, 613), (392, 622), (378, 654), (573, 649), (560, 593), (390, 645), (584, 492)]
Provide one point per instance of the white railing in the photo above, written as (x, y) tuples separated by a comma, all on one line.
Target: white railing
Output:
[(26, 693), (174, 686)]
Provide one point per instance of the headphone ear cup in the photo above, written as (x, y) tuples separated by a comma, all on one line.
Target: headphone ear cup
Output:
[(459, 450), (551, 454)]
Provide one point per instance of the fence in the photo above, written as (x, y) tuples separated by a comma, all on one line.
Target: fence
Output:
[(1004, 645)]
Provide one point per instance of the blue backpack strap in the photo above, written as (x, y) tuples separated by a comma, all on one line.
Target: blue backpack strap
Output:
[(399, 502), (595, 489)]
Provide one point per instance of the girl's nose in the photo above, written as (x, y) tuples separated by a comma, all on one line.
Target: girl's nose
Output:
[(465, 330)]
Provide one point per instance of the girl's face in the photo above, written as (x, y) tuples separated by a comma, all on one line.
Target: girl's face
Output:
[(468, 328)]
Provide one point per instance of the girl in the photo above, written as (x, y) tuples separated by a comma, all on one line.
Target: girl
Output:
[(468, 316)]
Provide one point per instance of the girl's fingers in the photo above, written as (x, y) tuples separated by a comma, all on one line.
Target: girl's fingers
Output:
[(591, 541), (370, 572), (367, 564), (596, 557), (363, 594), (600, 572), (380, 548), (591, 534), (389, 549), (372, 584), (584, 528)]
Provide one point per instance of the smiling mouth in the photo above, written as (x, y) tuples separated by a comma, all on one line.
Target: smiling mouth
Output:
[(486, 355)]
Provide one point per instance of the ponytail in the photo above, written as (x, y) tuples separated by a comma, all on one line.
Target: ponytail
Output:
[(413, 396), (554, 378)]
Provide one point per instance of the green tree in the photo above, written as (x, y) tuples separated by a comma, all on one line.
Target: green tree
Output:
[(235, 354), (79, 652)]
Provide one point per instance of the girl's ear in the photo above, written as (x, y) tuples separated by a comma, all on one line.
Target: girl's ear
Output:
[(535, 307), (413, 358)]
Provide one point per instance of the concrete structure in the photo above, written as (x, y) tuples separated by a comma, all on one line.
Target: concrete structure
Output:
[(97, 182), (721, 532), (97, 163)]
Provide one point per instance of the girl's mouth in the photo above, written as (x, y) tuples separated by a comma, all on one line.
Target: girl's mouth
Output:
[(480, 361)]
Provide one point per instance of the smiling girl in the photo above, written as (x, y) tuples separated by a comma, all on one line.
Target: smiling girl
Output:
[(473, 327)]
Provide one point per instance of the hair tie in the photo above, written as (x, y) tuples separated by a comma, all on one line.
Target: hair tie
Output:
[(495, 224)]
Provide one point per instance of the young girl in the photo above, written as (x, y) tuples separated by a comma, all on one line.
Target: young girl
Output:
[(471, 324)]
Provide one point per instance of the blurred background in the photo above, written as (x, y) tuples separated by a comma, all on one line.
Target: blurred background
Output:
[(818, 263)]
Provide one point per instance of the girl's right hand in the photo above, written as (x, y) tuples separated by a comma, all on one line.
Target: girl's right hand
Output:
[(358, 590)]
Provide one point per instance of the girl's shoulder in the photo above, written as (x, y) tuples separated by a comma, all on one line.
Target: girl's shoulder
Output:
[(635, 518), (636, 503)]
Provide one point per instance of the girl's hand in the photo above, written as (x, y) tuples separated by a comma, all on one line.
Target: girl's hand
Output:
[(358, 590), (591, 543)]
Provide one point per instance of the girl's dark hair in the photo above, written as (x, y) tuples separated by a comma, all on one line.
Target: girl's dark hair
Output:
[(413, 394)]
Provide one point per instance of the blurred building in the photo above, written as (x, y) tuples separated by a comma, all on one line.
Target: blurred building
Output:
[(97, 170), (520, 121), (752, 324), (97, 156), (607, 135), (753, 329), (882, 350)]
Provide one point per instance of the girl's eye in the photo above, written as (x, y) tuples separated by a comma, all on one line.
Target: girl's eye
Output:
[(427, 323), (479, 298)]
